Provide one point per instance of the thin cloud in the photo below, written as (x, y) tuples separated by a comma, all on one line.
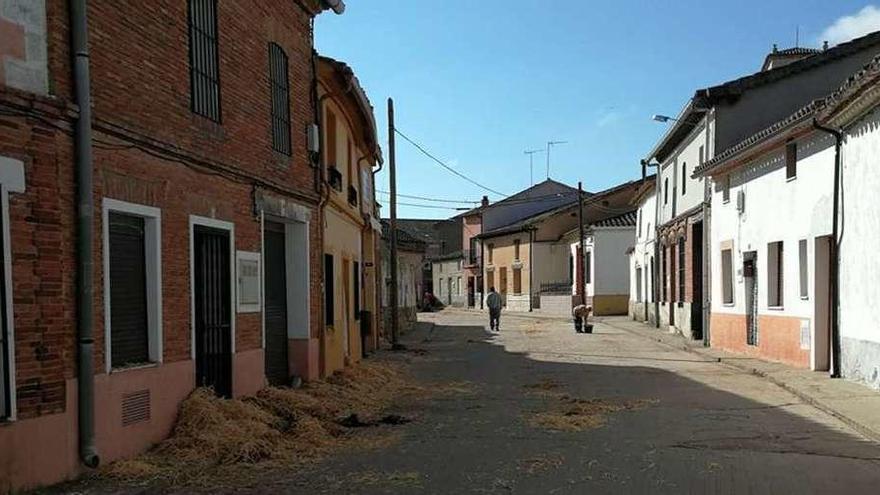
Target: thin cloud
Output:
[(848, 27), (608, 118)]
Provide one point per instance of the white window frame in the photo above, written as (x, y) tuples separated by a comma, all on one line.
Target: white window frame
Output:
[(249, 256), (11, 180), (195, 220), (153, 258)]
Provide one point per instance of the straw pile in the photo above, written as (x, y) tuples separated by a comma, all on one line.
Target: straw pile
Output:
[(276, 427), (571, 414)]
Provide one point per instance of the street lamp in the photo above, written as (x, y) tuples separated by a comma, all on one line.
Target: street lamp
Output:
[(663, 118)]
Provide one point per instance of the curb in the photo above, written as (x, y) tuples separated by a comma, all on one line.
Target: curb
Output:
[(806, 398)]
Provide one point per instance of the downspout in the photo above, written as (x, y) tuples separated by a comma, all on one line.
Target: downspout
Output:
[(88, 452), (835, 252)]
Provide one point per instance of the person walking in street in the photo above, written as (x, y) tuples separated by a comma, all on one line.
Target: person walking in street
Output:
[(493, 302)]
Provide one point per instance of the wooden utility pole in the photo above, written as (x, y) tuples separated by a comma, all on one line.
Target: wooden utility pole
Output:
[(392, 178), (582, 286)]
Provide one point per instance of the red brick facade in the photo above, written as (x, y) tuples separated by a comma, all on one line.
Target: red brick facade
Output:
[(152, 150)]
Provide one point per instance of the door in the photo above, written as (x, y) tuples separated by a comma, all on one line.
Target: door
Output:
[(449, 291), (275, 311), (346, 306), (502, 282), (750, 277), (672, 285), (471, 283), (821, 350), (697, 282), (213, 309)]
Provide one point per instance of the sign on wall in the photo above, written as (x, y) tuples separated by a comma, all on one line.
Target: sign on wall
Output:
[(248, 277)]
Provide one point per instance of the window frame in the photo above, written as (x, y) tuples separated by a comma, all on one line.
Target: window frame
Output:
[(776, 278), (791, 154), (727, 284), (680, 269), (725, 189), (804, 269), (11, 181), (152, 217), (684, 178), (279, 94), (212, 40)]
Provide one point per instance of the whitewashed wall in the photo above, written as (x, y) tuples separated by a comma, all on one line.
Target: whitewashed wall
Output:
[(859, 264), (687, 155), (643, 249), (610, 261)]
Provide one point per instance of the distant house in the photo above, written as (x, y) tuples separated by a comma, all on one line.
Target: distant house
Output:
[(410, 284), (448, 274), (641, 256)]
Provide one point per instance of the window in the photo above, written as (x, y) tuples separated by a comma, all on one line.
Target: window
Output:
[(356, 279), (517, 281), (639, 285), (702, 155), (330, 137), (132, 284), (13, 181), (516, 243), (791, 160), (279, 85), (588, 265), (727, 276), (458, 286), (204, 59), (802, 257), (683, 178), (663, 281), (640, 223), (775, 295), (329, 302), (570, 267), (491, 252), (681, 275), (490, 281), (666, 190), (725, 185)]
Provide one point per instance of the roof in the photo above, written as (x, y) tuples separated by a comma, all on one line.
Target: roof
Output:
[(628, 219), (822, 109), (592, 199), (360, 97), (404, 239), (455, 255), (704, 98), (859, 90), (787, 53)]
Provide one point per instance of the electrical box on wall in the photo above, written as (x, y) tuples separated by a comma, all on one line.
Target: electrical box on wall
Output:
[(314, 138)]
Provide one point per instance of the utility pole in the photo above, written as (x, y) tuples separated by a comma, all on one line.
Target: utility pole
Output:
[(582, 286), (392, 179), (531, 154), (551, 144)]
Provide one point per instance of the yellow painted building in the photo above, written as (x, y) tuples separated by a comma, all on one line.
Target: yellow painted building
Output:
[(349, 155)]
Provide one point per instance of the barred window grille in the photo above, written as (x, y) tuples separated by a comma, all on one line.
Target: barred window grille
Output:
[(280, 88), (204, 58)]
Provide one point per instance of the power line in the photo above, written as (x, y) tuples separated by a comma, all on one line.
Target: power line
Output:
[(436, 200), (447, 167)]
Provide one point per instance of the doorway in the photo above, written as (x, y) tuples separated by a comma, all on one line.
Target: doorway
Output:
[(672, 285), (750, 278), (275, 311), (449, 291), (212, 296), (346, 306), (820, 353), (697, 282)]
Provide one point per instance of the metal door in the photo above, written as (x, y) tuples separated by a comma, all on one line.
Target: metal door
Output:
[(275, 311), (750, 276), (213, 310)]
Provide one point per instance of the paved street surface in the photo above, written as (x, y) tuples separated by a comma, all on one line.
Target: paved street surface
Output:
[(699, 427)]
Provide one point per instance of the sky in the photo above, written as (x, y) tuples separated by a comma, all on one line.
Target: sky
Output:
[(477, 83)]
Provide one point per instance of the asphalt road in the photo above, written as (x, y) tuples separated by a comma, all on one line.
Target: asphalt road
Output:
[(695, 426)]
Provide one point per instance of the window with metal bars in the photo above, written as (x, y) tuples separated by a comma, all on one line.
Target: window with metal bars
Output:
[(204, 59), (279, 85), (681, 274)]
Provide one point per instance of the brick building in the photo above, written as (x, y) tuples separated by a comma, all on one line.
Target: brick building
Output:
[(203, 181)]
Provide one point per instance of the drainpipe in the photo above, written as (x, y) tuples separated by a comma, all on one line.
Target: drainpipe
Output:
[(835, 253), (88, 452)]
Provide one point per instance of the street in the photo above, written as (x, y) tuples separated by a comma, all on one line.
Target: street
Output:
[(684, 425)]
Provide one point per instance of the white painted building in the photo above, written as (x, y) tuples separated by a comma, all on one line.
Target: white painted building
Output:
[(770, 243), (641, 257), (448, 285), (606, 263), (855, 109)]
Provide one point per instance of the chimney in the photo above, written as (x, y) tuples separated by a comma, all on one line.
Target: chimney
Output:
[(485, 202)]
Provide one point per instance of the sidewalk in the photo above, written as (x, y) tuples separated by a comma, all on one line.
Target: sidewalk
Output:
[(856, 405)]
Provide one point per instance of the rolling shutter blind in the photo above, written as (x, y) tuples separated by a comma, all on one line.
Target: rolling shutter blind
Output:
[(128, 290)]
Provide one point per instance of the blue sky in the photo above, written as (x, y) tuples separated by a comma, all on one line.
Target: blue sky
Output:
[(479, 82)]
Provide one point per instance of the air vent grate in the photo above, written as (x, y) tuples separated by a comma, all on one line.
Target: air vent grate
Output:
[(135, 407)]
